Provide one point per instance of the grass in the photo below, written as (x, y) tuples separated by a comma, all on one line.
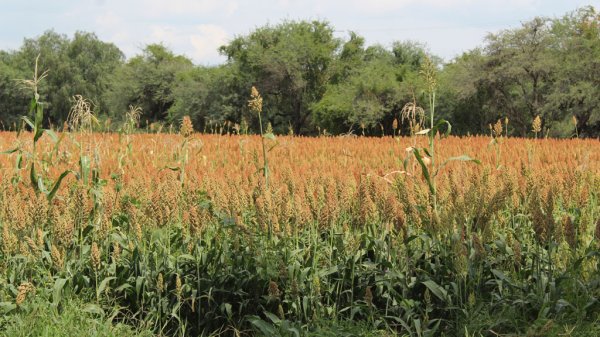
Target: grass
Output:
[(72, 318)]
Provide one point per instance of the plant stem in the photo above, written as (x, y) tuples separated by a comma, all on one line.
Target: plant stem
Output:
[(264, 149)]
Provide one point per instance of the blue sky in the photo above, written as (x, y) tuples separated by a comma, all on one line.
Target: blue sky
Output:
[(196, 28)]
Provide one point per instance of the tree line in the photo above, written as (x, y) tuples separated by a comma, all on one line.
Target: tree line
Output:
[(314, 83)]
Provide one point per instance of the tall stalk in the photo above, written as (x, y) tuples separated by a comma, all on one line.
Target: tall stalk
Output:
[(429, 73), (255, 104)]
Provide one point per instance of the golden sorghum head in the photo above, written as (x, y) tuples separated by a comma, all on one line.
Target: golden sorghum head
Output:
[(569, 231), (95, 256), (536, 125), (395, 124), (498, 128), (160, 283), (316, 285), (369, 296), (22, 290), (505, 120), (478, 246), (40, 238), (256, 101), (517, 250), (116, 252), (178, 286), (32, 245), (9, 241), (280, 311), (274, 292), (57, 257), (574, 120), (294, 288), (187, 128), (105, 225)]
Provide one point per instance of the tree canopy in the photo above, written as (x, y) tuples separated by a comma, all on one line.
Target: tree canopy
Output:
[(313, 81)]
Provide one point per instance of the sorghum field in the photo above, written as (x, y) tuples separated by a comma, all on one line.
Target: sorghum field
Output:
[(182, 235)]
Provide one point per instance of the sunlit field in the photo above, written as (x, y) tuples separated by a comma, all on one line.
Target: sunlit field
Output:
[(171, 234)]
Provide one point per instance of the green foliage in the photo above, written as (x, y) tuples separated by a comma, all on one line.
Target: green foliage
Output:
[(72, 318), (290, 63), (546, 68), (315, 82), (370, 87), (81, 65), (147, 81)]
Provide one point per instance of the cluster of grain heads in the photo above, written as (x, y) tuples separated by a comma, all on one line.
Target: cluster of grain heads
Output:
[(346, 242), (187, 128), (22, 291), (536, 125)]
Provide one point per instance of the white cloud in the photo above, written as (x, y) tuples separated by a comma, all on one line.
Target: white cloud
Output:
[(206, 42), (159, 8), (385, 6), (197, 28), (200, 42)]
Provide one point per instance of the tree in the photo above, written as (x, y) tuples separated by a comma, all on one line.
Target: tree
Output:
[(547, 68), (464, 96), (290, 64), (13, 98), (363, 98), (576, 92), (80, 65), (371, 87), (147, 81)]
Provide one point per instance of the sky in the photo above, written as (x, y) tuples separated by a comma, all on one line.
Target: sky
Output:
[(196, 28)]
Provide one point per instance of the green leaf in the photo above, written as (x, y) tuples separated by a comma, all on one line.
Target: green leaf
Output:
[(425, 171), (29, 122), (41, 186), (276, 320), (57, 290), (10, 151), (463, 158), (102, 285), (6, 307), (33, 178), (441, 123), (226, 307), (270, 136), (172, 168), (264, 327), (52, 193), (84, 168), (93, 309), (39, 118), (123, 287), (32, 105), (295, 331), (52, 135), (437, 290)]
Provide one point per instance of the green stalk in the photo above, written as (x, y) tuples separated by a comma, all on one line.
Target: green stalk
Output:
[(432, 144), (264, 149)]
